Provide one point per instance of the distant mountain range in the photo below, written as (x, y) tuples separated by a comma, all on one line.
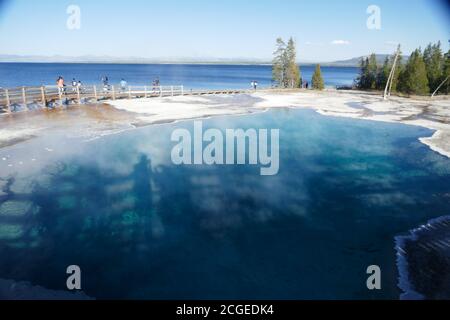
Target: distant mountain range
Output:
[(354, 62), (128, 60)]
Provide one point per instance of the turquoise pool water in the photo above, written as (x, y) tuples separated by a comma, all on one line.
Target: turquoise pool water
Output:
[(141, 227)]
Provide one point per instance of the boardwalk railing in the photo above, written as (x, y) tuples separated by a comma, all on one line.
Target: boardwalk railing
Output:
[(26, 98)]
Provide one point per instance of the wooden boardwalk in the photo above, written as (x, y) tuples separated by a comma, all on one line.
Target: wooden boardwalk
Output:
[(27, 98)]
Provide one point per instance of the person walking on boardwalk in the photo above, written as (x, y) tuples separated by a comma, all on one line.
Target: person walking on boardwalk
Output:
[(60, 85), (105, 81), (156, 86), (123, 85), (74, 85)]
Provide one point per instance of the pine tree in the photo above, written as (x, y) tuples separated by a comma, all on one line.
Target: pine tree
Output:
[(285, 71), (317, 80), (279, 63), (367, 78), (413, 79), (385, 71), (397, 71), (362, 80), (372, 72), (427, 53), (383, 74), (445, 89), (292, 69), (433, 58)]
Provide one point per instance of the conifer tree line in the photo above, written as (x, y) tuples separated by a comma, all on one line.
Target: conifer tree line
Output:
[(421, 74)]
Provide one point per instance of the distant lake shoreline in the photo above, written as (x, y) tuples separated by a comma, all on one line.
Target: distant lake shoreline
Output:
[(192, 76), (182, 63)]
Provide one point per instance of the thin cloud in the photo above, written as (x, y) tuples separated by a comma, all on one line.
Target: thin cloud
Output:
[(340, 42)]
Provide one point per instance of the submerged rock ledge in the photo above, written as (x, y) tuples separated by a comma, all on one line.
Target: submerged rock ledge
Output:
[(423, 261), (12, 290)]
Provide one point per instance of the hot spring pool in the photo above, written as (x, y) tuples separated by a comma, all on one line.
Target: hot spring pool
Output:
[(140, 227)]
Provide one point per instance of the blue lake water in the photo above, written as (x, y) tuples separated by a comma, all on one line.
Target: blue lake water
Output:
[(191, 76), (141, 227)]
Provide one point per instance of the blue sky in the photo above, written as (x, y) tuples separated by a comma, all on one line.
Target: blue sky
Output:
[(222, 29)]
